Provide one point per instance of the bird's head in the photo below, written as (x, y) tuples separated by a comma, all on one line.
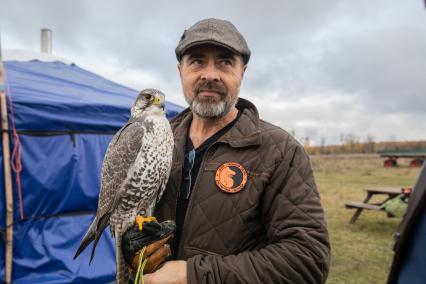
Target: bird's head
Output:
[(148, 99)]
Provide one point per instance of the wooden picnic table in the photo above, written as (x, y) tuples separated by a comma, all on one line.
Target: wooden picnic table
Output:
[(390, 192)]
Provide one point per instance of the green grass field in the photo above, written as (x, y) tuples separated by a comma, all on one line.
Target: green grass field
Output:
[(361, 252)]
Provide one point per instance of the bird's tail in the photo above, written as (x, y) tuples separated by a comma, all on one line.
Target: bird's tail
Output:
[(88, 238), (93, 234), (122, 274)]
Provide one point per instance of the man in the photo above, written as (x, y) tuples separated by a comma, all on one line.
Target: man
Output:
[(410, 239), (241, 190)]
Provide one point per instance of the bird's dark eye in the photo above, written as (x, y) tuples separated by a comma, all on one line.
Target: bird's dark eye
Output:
[(148, 97)]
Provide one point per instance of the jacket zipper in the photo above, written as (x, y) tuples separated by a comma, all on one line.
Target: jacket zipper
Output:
[(182, 235)]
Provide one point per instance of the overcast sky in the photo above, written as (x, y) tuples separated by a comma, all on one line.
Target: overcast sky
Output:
[(323, 69)]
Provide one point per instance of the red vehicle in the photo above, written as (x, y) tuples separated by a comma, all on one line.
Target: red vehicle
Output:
[(417, 157)]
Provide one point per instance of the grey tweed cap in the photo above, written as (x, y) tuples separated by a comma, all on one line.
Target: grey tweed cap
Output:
[(213, 31)]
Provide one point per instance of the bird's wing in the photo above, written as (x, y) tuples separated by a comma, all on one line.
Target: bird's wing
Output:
[(120, 155)]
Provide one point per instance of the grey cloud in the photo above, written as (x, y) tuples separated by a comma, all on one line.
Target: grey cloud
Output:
[(370, 53), (383, 69)]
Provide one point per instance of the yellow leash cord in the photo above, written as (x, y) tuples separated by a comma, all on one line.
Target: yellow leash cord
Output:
[(141, 266)]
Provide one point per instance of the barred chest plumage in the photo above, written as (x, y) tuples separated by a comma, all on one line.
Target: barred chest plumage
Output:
[(152, 163)]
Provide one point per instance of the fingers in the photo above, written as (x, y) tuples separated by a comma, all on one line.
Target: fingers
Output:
[(157, 258), (159, 249), (150, 249), (135, 261)]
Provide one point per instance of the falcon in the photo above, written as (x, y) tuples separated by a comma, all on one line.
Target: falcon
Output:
[(135, 171)]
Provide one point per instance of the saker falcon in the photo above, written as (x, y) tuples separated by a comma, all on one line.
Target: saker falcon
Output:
[(135, 171)]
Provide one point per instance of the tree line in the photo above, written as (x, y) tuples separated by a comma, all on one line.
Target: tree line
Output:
[(351, 145)]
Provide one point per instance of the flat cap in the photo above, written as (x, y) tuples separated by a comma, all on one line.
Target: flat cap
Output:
[(216, 32)]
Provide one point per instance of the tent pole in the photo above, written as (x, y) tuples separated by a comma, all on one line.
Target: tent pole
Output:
[(7, 176)]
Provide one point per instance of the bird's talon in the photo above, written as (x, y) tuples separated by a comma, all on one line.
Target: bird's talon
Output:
[(140, 220)]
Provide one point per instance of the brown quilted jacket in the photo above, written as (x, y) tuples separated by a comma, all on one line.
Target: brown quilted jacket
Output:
[(271, 231)]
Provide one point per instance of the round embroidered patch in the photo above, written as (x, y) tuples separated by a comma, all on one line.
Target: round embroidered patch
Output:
[(231, 177)]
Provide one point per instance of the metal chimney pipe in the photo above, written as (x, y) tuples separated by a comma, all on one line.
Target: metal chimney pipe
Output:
[(46, 41)]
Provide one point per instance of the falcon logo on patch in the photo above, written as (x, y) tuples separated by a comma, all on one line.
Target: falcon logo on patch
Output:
[(231, 177)]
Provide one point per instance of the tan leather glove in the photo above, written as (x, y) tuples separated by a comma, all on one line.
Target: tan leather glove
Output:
[(154, 236), (156, 253)]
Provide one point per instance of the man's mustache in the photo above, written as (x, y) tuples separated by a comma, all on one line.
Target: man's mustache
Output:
[(210, 86)]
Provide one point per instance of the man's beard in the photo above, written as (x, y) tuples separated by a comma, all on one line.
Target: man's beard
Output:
[(210, 107)]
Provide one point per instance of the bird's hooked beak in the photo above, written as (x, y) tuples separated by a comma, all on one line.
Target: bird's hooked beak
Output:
[(159, 101)]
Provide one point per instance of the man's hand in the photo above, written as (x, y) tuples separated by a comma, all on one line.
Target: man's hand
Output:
[(172, 272), (156, 253), (154, 237)]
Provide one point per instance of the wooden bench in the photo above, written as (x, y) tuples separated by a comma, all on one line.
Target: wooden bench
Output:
[(363, 206), (389, 192)]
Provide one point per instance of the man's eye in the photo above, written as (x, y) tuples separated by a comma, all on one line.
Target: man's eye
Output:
[(226, 62), (196, 62)]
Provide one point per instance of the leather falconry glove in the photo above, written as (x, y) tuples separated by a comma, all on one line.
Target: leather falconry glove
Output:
[(151, 242)]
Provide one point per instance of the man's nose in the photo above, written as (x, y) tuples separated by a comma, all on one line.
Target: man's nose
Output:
[(210, 72)]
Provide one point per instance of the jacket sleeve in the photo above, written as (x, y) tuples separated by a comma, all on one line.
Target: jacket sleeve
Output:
[(297, 249)]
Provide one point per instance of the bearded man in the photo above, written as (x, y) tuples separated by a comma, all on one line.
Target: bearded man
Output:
[(241, 190)]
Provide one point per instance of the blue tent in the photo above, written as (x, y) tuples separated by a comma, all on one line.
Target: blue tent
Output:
[(65, 117)]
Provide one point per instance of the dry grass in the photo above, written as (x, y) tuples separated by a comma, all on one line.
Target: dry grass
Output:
[(361, 253)]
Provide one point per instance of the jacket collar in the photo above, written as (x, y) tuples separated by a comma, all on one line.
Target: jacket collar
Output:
[(245, 132)]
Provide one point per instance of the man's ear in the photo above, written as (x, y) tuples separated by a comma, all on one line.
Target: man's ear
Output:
[(243, 70), (179, 67)]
